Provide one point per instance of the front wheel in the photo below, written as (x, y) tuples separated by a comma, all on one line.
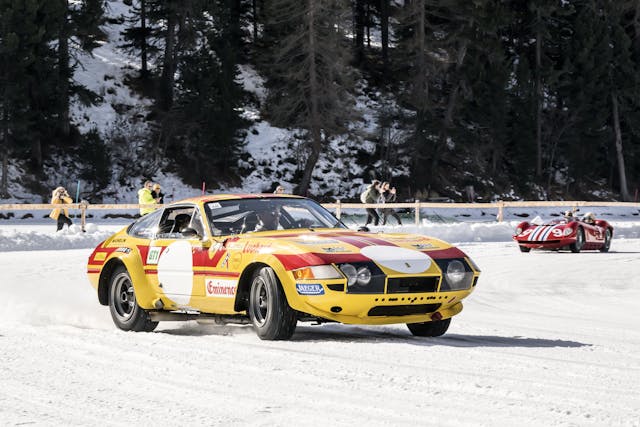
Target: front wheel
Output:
[(125, 311), (579, 243), (269, 311), (429, 329), (607, 241), (525, 249)]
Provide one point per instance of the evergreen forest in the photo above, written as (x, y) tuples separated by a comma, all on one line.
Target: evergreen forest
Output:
[(537, 100)]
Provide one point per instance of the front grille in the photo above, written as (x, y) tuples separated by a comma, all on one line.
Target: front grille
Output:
[(537, 242), (406, 285), (403, 310)]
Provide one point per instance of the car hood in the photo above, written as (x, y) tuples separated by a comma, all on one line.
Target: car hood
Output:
[(305, 247)]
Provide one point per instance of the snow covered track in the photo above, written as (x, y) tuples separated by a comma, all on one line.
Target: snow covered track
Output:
[(546, 339)]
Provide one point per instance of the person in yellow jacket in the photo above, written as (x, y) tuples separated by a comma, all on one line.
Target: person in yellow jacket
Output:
[(145, 197), (61, 215)]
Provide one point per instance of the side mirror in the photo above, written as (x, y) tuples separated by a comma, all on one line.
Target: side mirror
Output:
[(189, 232)]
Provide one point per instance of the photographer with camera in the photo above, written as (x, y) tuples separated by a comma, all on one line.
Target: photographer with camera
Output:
[(61, 215)]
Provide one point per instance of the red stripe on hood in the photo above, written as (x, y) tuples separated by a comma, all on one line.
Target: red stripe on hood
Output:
[(452, 252), (291, 262)]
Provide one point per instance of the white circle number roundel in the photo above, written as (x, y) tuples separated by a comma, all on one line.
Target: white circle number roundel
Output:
[(175, 271), (402, 260)]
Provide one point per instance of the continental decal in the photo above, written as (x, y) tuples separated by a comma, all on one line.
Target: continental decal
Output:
[(220, 288)]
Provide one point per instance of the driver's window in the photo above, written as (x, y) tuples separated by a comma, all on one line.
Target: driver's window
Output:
[(174, 221)]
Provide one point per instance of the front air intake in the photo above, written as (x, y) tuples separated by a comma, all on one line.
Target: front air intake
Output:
[(408, 285), (403, 310)]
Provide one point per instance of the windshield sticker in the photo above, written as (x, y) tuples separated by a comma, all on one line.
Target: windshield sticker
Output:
[(215, 205), (309, 289)]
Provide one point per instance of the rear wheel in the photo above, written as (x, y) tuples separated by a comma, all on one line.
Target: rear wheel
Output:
[(525, 249), (125, 311), (579, 243), (269, 311), (607, 241), (429, 329)]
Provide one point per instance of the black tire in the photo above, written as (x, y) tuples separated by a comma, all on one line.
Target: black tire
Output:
[(269, 311), (607, 241), (579, 243), (429, 329), (125, 311), (525, 249)]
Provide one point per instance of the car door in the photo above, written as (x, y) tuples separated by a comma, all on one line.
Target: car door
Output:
[(178, 256)]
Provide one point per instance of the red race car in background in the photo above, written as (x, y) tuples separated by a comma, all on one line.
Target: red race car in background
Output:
[(571, 232)]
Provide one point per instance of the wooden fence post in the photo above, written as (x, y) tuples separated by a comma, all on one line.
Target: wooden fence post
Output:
[(83, 214), (500, 215), (417, 213)]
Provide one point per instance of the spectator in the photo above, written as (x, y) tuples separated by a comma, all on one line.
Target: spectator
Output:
[(146, 198), (279, 190), (371, 195), (157, 193), (61, 215), (388, 195)]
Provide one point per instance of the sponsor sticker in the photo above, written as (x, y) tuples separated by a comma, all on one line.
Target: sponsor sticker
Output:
[(154, 254), (312, 240), (333, 249), (309, 289), (100, 256), (124, 250), (421, 246), (220, 288)]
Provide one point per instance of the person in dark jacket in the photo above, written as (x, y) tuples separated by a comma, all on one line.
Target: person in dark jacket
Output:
[(388, 195), (371, 195), (157, 193)]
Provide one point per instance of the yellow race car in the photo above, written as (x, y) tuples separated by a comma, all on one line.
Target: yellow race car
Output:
[(273, 260)]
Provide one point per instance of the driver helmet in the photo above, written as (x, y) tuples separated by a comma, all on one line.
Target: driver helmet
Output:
[(589, 217), (269, 219)]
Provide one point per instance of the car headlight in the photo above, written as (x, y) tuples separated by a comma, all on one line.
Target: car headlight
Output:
[(356, 276), (518, 230), (317, 272), (568, 231), (455, 272), (364, 276)]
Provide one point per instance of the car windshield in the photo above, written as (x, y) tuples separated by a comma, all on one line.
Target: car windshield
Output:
[(239, 216)]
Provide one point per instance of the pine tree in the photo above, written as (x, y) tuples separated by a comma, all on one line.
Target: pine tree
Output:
[(308, 73), (208, 98)]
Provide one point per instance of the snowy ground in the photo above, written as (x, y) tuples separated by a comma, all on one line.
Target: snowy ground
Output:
[(546, 339)]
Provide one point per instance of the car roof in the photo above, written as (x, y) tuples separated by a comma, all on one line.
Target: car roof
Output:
[(216, 197)]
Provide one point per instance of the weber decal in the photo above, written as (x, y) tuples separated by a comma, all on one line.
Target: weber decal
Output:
[(154, 254), (309, 289), (220, 288)]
